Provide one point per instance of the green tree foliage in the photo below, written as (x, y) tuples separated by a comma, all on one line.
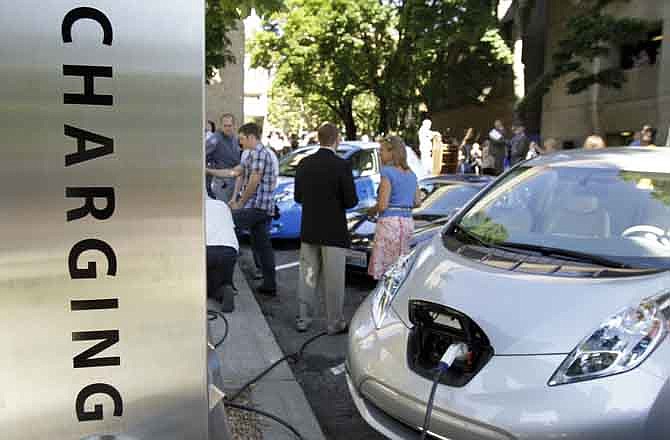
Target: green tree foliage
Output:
[(590, 33), (403, 52), (323, 48), (292, 112), (221, 18), (455, 50)]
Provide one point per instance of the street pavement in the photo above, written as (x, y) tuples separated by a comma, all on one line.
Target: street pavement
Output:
[(321, 371)]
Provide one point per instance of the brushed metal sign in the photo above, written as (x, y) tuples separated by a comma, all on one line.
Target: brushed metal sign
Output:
[(102, 298)]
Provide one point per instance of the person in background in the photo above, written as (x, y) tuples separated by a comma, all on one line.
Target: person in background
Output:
[(647, 130), (223, 151), (519, 145), (533, 150), (325, 187), (465, 152), (398, 195), (488, 161), (498, 146), (594, 142), (476, 154), (647, 140), (549, 146), (210, 129), (222, 251), (636, 139), (295, 142), (254, 208)]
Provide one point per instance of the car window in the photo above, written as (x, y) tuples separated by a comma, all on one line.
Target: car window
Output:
[(445, 198), (603, 211), (363, 163), (289, 164)]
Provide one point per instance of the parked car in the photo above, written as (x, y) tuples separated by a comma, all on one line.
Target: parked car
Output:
[(557, 279), (443, 195), (365, 164)]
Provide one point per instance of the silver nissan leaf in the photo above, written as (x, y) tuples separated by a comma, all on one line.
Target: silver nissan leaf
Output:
[(556, 280)]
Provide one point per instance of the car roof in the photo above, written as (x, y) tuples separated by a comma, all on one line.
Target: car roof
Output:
[(640, 159), (458, 178), (345, 148)]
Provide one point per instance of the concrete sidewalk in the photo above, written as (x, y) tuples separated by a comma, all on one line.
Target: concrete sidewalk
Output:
[(249, 348)]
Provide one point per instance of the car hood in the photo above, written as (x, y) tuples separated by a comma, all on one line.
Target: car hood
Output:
[(521, 313), (284, 182)]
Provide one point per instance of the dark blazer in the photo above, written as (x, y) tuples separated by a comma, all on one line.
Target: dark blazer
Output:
[(325, 188)]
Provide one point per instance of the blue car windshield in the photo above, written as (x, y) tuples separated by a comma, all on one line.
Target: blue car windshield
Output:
[(289, 164), (607, 212)]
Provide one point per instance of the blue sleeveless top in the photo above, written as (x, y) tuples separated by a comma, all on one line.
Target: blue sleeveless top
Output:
[(403, 190)]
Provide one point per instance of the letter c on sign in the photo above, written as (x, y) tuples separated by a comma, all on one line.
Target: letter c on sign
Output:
[(96, 414), (92, 13)]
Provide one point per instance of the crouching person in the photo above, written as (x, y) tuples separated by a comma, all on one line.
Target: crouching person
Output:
[(222, 251)]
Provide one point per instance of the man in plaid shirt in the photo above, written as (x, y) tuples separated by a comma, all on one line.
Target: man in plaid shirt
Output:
[(254, 207)]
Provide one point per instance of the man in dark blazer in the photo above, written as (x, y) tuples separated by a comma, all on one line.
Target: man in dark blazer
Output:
[(325, 187)]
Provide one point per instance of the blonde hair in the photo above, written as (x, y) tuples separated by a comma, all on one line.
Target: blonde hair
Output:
[(398, 151)]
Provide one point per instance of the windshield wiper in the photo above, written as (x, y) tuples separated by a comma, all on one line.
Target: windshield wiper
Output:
[(566, 254)]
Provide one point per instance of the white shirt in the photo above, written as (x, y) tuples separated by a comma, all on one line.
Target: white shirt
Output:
[(220, 229)]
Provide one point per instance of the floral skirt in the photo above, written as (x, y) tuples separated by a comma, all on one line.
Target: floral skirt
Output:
[(392, 236)]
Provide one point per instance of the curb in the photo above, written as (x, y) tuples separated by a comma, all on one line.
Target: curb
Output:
[(250, 347)]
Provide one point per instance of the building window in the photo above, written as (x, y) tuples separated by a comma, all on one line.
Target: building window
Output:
[(642, 53)]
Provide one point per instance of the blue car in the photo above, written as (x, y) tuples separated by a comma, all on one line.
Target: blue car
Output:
[(365, 165)]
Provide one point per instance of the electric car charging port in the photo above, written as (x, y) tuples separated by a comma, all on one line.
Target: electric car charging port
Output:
[(436, 327)]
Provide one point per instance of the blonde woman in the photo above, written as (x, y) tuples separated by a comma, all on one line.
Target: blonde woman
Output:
[(398, 194)]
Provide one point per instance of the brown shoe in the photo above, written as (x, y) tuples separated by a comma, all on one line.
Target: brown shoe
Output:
[(338, 328)]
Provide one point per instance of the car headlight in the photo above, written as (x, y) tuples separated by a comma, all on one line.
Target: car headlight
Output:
[(388, 286), (620, 344), (285, 195)]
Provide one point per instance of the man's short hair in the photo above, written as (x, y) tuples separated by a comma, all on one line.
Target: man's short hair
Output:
[(249, 129), (227, 115), (328, 134)]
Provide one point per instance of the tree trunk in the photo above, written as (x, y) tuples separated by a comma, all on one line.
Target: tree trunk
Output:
[(347, 115), (383, 127), (595, 101)]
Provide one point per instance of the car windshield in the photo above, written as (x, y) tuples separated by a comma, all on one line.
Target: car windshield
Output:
[(289, 164), (445, 198), (617, 215)]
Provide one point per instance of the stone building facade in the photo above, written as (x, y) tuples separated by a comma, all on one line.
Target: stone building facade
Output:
[(225, 93), (615, 113)]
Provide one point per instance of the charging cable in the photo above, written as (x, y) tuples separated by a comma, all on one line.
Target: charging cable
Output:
[(454, 352)]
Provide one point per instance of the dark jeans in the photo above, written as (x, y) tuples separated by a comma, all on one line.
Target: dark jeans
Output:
[(220, 266), (257, 222)]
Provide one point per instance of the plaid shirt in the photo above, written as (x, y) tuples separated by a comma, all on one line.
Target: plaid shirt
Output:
[(263, 161)]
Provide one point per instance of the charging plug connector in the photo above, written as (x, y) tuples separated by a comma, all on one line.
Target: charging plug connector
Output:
[(455, 352)]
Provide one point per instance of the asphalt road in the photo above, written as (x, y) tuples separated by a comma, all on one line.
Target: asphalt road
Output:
[(325, 389)]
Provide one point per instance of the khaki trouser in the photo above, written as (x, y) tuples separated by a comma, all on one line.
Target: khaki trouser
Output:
[(322, 268)]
